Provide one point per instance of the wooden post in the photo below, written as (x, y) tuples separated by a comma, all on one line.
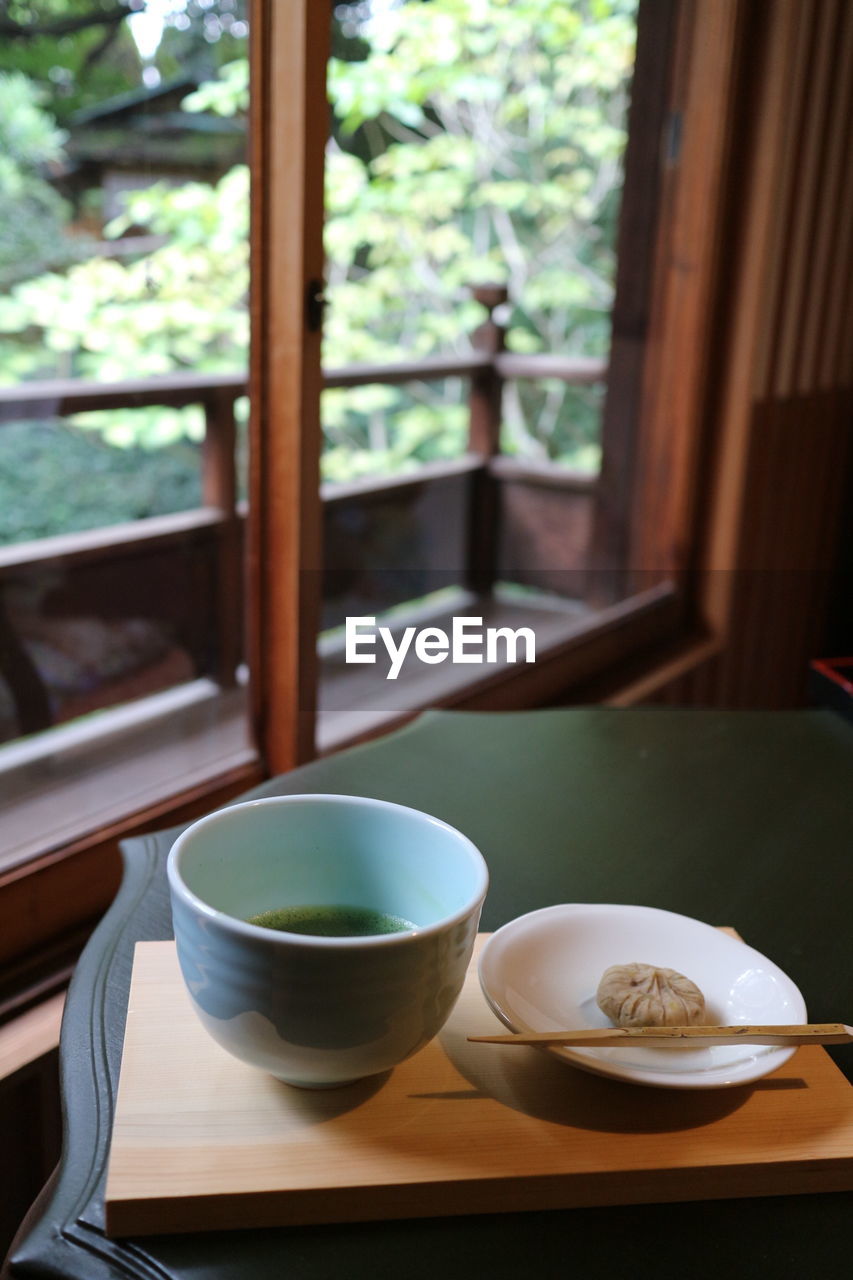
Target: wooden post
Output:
[(649, 176), (484, 432), (219, 489), (288, 128)]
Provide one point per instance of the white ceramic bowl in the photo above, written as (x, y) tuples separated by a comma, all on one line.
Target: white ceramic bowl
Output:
[(313, 1010), (541, 972)]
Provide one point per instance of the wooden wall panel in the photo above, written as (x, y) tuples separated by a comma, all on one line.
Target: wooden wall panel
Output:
[(789, 375), (828, 293)]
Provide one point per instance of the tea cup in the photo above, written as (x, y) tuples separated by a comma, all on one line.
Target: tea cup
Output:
[(312, 1009)]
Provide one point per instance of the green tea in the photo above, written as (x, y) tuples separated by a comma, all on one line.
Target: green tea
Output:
[(332, 922)]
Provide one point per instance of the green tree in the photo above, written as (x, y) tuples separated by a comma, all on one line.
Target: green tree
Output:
[(32, 214), (83, 51), (182, 307), (487, 140), (474, 140)]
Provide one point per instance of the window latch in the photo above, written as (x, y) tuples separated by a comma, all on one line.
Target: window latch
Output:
[(315, 305)]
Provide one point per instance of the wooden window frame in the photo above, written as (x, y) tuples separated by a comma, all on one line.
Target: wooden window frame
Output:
[(657, 393), (48, 905)]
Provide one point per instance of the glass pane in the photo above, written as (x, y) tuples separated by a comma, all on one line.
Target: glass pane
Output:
[(474, 175), (123, 358)]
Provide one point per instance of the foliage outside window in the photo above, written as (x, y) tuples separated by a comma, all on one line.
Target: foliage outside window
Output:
[(476, 141), (473, 140)]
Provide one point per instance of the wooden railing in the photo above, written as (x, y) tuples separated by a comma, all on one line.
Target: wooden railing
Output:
[(473, 519)]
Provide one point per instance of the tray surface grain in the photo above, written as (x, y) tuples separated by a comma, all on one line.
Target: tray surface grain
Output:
[(201, 1141)]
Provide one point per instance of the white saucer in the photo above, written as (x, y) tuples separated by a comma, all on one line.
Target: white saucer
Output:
[(541, 971)]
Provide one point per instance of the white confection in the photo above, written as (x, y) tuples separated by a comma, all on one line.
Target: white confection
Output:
[(644, 995)]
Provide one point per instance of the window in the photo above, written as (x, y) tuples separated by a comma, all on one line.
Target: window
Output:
[(631, 598), (123, 372), (446, 168), (622, 592)]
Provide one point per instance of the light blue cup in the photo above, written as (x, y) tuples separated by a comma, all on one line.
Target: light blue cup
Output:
[(319, 1011)]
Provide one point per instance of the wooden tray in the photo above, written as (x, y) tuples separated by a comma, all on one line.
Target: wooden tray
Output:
[(202, 1142)]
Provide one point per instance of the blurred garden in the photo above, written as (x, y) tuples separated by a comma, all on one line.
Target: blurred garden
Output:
[(472, 141)]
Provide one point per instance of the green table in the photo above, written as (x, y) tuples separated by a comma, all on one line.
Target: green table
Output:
[(740, 818)]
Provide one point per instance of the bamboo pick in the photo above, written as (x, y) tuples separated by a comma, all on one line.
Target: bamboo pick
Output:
[(683, 1037)]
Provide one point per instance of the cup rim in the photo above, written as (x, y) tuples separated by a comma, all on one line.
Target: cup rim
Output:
[(243, 928)]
